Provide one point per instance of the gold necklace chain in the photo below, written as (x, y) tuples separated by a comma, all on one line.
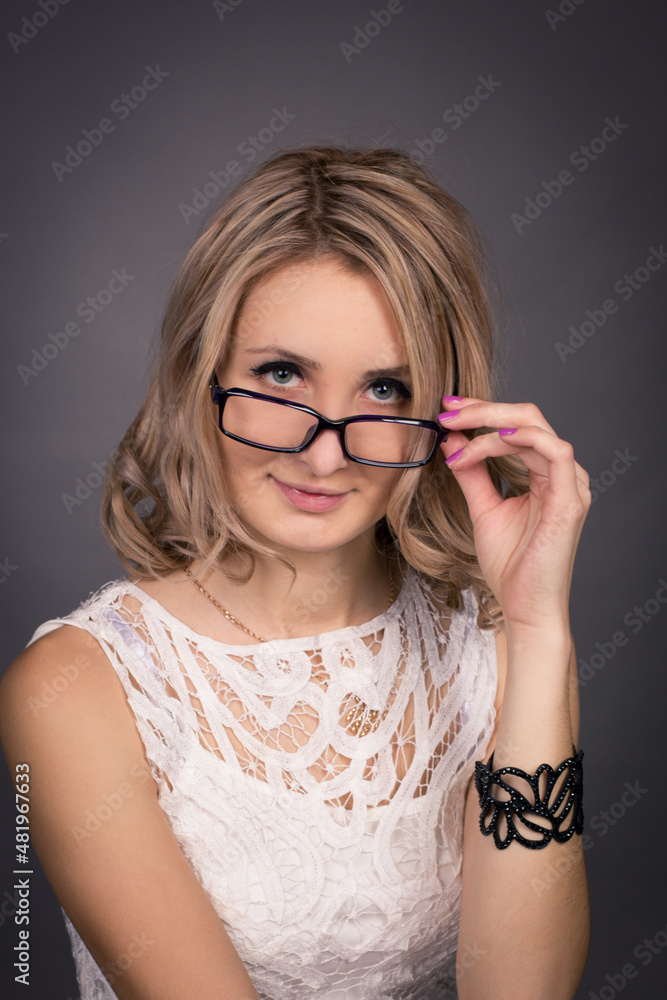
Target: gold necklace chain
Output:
[(230, 617)]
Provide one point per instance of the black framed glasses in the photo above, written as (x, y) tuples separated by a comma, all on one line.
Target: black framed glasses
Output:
[(262, 421)]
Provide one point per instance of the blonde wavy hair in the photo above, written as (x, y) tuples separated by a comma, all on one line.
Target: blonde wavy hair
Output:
[(375, 212)]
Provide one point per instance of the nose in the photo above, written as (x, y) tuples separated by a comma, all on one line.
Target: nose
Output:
[(324, 455)]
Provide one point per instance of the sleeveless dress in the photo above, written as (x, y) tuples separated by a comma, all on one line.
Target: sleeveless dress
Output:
[(315, 785)]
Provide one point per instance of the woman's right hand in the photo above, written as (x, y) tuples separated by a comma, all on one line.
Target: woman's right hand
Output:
[(125, 884)]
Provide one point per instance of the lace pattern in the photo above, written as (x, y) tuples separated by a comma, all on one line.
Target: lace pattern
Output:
[(328, 837)]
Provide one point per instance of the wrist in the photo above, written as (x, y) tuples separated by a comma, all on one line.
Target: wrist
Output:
[(543, 656), (555, 637)]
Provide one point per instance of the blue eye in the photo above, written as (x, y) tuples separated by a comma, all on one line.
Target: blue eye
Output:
[(259, 371), (289, 369), (394, 384)]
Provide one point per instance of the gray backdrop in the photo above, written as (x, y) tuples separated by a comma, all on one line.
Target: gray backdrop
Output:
[(559, 158)]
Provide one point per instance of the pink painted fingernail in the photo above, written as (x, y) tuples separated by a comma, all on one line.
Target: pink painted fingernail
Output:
[(448, 414), (507, 430), (452, 399), (453, 458)]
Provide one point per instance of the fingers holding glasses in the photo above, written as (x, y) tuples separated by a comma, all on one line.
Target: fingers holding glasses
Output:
[(521, 430), (467, 413)]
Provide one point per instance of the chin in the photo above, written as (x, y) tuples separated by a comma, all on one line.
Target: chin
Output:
[(300, 531), (303, 538)]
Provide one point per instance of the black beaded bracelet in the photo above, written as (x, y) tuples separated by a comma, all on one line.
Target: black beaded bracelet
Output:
[(518, 805)]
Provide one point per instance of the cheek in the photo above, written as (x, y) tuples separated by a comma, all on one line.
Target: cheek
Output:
[(386, 486), (248, 471), (388, 479), (247, 484), (241, 462), (379, 488)]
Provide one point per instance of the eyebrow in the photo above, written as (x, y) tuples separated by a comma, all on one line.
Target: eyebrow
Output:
[(399, 371)]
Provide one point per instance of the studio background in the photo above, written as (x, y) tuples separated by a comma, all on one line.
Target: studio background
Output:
[(576, 87)]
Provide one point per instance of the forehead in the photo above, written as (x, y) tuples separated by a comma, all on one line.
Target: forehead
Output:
[(320, 309)]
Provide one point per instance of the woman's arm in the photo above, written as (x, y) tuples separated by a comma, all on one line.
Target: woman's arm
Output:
[(526, 910), (127, 887), (525, 913)]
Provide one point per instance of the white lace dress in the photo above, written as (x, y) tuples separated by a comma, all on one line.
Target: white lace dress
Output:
[(328, 836)]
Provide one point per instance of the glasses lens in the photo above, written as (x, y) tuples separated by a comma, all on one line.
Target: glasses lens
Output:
[(384, 441), (265, 423), (273, 425)]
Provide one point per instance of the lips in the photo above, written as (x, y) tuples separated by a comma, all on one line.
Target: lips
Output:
[(307, 489), (307, 500)]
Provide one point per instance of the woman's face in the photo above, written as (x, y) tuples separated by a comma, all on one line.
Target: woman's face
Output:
[(342, 327)]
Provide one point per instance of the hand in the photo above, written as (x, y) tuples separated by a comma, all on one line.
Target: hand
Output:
[(525, 545)]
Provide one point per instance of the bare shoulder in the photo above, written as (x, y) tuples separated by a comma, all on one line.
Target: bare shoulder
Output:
[(99, 830), (65, 645), (64, 685), (64, 712)]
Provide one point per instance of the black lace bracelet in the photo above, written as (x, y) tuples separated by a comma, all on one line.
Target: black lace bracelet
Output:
[(571, 792)]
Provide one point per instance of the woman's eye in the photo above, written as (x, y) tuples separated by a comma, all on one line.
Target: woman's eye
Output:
[(390, 390), (281, 369), (383, 390)]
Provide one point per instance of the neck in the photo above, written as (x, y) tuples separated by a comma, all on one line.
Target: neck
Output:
[(331, 590)]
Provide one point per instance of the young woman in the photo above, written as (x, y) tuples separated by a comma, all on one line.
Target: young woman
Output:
[(271, 761)]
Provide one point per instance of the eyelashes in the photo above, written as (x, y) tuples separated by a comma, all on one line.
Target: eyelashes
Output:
[(259, 371)]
